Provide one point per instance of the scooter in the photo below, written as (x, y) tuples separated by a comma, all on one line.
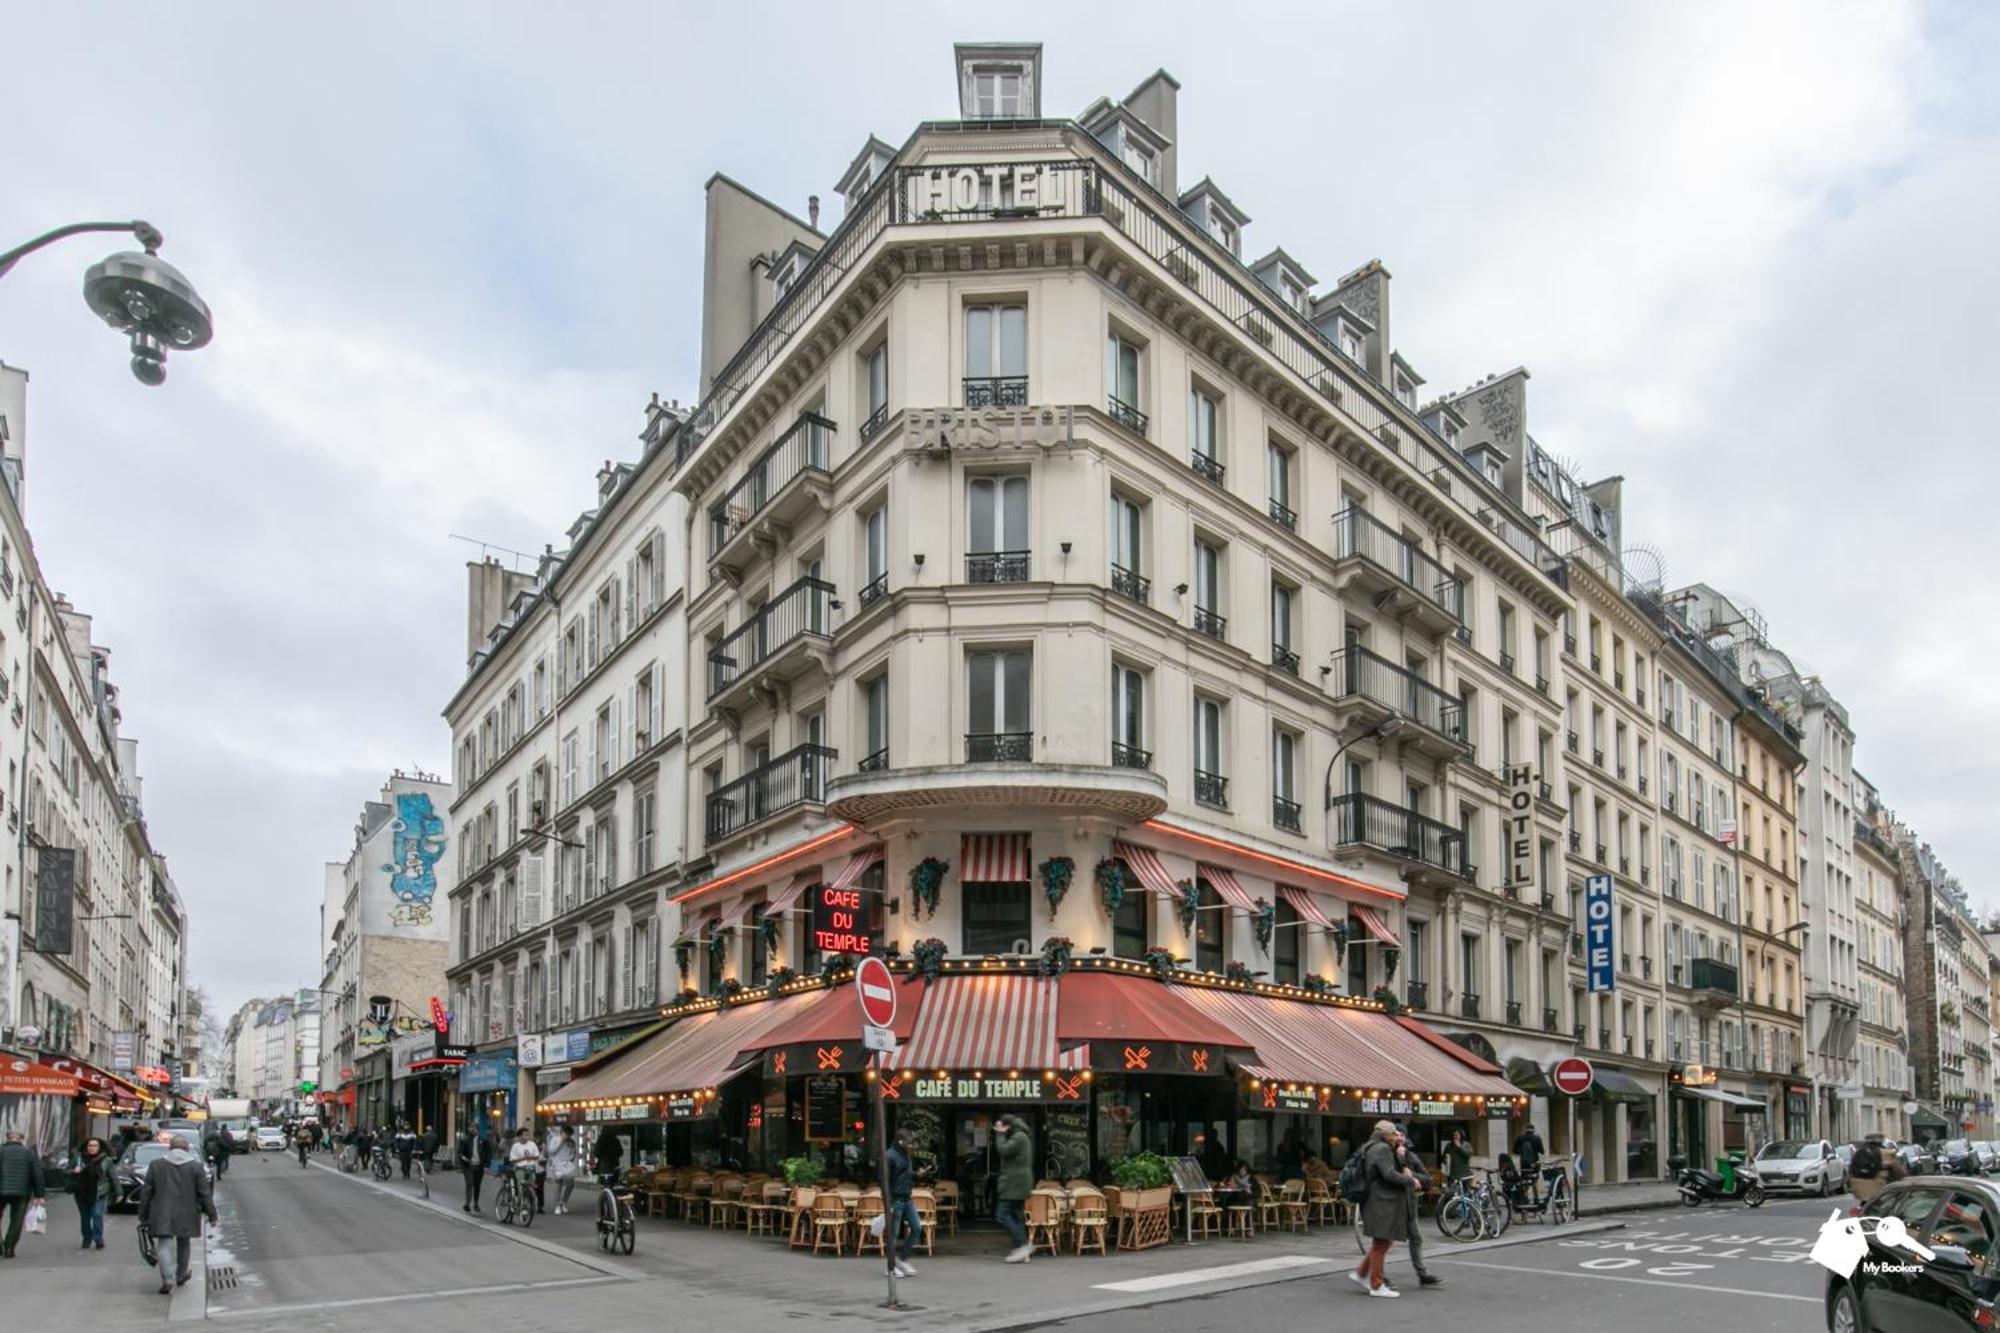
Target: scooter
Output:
[(1699, 1186)]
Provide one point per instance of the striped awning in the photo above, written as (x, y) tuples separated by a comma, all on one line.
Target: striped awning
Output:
[(1304, 904), (1371, 921), (1226, 887), (1145, 863), (987, 1022), (735, 912), (782, 900), (993, 858), (857, 866)]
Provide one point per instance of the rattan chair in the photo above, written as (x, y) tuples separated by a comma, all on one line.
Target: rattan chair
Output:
[(948, 1204), (926, 1204), (1268, 1212), (1043, 1223), (1090, 1223), (1320, 1203), (798, 1235), (1293, 1210), (865, 1212), (829, 1219)]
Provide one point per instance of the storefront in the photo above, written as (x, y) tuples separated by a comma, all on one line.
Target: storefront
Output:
[(487, 1093), (1798, 1110)]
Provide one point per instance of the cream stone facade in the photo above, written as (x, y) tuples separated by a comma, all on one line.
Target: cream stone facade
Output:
[(1885, 1069)]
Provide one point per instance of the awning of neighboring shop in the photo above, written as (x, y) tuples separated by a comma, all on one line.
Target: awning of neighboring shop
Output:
[(859, 863), (782, 900), (1305, 904), (1371, 921), (1529, 1076), (1227, 887), (1102, 1006), (1146, 864), (993, 858), (990, 1021), (1307, 1042), (1928, 1118), (1612, 1086), (25, 1078), (1726, 1098), (700, 1051)]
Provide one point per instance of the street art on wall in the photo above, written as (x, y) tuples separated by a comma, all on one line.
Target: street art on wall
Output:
[(371, 1032), (418, 842)]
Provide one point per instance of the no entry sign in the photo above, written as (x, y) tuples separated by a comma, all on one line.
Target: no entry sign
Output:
[(1573, 1076), (876, 990)]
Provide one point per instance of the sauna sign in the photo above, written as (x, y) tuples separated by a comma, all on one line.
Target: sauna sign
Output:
[(841, 921)]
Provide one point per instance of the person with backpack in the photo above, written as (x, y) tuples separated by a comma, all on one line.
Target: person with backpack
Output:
[(1865, 1173), (1381, 1191)]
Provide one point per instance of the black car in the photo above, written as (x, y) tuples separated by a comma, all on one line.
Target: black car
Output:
[(128, 1173), (1893, 1289)]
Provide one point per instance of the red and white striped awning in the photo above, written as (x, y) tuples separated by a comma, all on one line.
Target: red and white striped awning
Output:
[(1371, 921), (1145, 863), (993, 858), (735, 912), (857, 866), (782, 900), (995, 1021), (1304, 904), (1226, 888)]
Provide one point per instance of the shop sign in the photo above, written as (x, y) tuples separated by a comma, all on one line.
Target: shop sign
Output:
[(495, 1071), (528, 1050), (1699, 1076), (552, 1076), (944, 190), (840, 921), (636, 1111), (1597, 934), (1499, 1109), (963, 1088), (444, 1050), (1519, 826), (1308, 1101), (680, 1108), (1409, 1106), (122, 1044), (576, 1046)]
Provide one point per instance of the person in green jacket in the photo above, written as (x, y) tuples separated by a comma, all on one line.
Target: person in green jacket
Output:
[(1017, 1177)]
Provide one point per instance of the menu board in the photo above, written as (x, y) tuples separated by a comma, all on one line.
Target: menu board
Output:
[(1066, 1130), (926, 1137), (826, 1110)]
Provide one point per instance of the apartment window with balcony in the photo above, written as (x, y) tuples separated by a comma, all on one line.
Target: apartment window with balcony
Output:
[(1211, 786), (1471, 975), (1285, 945), (875, 387), (875, 554), (1123, 357), (1284, 779), (997, 539), (1205, 433), (1278, 463), (996, 355), (1128, 566), (998, 725), (1284, 655), (1128, 718), (1211, 928), (1505, 625), (875, 713), (1209, 618), (570, 746)]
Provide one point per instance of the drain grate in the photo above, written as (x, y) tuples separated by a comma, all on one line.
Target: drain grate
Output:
[(222, 1278)]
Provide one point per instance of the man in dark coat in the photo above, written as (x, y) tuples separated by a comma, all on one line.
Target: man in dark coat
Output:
[(1385, 1212), (1413, 1166), (1017, 1179), (21, 1187), (173, 1200), (903, 1220), (475, 1154)]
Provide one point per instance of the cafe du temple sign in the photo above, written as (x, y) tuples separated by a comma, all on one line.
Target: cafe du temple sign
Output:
[(841, 921)]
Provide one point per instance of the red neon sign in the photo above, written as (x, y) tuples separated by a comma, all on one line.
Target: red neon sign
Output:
[(439, 1019), (840, 921)]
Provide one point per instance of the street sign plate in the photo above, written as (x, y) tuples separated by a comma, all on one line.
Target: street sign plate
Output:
[(1573, 1076), (876, 990), (878, 1039)]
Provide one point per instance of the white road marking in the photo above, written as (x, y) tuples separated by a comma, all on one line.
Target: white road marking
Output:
[(1641, 1281), (1165, 1280), (218, 1312)]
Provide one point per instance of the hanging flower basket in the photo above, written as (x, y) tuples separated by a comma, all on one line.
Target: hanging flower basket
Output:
[(1186, 905), (928, 955), (1316, 985), (684, 956), (686, 995), (1162, 963), (1111, 885), (835, 962), (1340, 935), (1387, 999), (1390, 957), (730, 989), (1056, 950), (779, 979), (1056, 874), (926, 882), (718, 950), (1240, 973), (1264, 921), (767, 928)]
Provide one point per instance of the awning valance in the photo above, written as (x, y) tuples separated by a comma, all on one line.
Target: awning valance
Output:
[(993, 858), (1226, 887), (1371, 921), (995, 1021), (1146, 864), (1929, 1119), (782, 900), (1726, 1098), (1097, 1006), (1528, 1076), (1305, 904), (1612, 1086)]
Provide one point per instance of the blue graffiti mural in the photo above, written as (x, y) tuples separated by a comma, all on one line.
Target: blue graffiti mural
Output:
[(419, 842)]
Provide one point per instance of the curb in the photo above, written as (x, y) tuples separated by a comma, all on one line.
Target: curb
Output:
[(189, 1303)]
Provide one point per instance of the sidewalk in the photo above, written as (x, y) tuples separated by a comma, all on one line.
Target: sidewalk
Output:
[(1627, 1196), (70, 1288)]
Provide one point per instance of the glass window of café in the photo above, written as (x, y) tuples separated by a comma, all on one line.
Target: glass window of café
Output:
[(759, 960), (1130, 927), (1285, 945), (996, 917), (1210, 925)]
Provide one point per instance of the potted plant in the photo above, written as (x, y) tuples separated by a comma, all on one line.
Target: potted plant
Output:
[(1240, 973), (684, 956), (779, 979), (1316, 985), (1056, 874), (928, 954), (686, 995), (767, 928), (730, 988), (1111, 884), (1056, 950), (1387, 999), (1162, 962), (1141, 1171), (926, 882), (802, 1171), (718, 949), (1264, 922), (1187, 905)]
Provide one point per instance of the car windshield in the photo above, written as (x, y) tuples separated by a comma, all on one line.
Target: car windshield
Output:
[(142, 1154), (1785, 1148), (1959, 1146)]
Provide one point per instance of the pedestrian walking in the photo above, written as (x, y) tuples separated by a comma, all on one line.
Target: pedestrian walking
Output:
[(1412, 1165), (562, 1165), (87, 1186), (173, 1200), (427, 1144), (475, 1156), (1456, 1159), (609, 1156), (1385, 1210), (906, 1228), (1865, 1173), (220, 1146), (1017, 1177), (406, 1148), (1528, 1151), (21, 1188)]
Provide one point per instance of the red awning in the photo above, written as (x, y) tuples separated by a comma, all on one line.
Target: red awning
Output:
[(992, 1021), (1226, 888), (1146, 864), (735, 912), (993, 858), (1104, 1006), (700, 1051), (834, 1015), (783, 899), (25, 1078), (1304, 904), (1371, 921), (857, 866)]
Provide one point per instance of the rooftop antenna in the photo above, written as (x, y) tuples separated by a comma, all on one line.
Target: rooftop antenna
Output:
[(486, 548)]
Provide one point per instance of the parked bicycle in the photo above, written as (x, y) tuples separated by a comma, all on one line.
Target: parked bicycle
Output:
[(515, 1203), (1468, 1211), (350, 1159), (1548, 1195), (421, 1176), (380, 1164), (617, 1229)]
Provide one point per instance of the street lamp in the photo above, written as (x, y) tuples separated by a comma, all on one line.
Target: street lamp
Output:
[(1388, 726), (139, 294)]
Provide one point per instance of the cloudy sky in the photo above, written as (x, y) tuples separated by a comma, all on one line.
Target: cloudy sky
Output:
[(1747, 252)]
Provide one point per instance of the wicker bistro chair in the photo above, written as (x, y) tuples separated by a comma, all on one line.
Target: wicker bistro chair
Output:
[(926, 1204), (1269, 1214), (1114, 1207), (760, 1218), (947, 1204), (726, 1204), (866, 1211), (1090, 1222), (1204, 1216), (1044, 1223), (798, 1233), (829, 1220), (1293, 1210), (1320, 1203)]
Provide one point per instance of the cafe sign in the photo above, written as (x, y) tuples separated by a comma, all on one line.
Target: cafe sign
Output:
[(637, 1111), (1416, 1106), (840, 921), (1062, 1087)]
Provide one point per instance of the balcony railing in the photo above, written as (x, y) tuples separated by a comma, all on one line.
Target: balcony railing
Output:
[(1208, 622), (1211, 789), (1284, 659), (1550, 1021), (1130, 756), (874, 423), (996, 391), (999, 747), (1513, 1013), (1420, 994), (873, 590), (1131, 583), (796, 777), (1281, 513), (1468, 1005), (806, 447), (802, 609), (996, 567), (1285, 814), (1358, 533), (1207, 467), (1373, 822), (876, 762), (1126, 415), (1708, 974), (1357, 671)]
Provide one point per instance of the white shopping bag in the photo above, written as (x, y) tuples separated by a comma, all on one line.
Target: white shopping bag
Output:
[(38, 1220), (878, 1224)]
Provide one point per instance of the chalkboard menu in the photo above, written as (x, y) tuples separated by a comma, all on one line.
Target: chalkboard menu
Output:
[(1114, 1118), (1066, 1130), (826, 1110), (1189, 1178)]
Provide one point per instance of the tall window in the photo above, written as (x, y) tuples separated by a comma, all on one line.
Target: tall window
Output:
[(1210, 927), (997, 916), (1121, 374), (1210, 786), (1130, 936), (1278, 478), (875, 563), (1285, 945), (997, 536), (1204, 425), (759, 963), (875, 706), (877, 374), (1282, 653), (1128, 571), (1128, 718), (1208, 617), (1284, 779), (996, 356), (1139, 157), (999, 727)]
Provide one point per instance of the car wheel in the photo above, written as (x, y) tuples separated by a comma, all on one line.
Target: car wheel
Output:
[(1845, 1314), (1825, 1186)]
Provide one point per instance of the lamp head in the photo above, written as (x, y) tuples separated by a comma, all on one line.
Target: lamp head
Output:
[(145, 297)]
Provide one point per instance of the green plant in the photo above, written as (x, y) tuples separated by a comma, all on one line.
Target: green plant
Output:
[(730, 988), (1056, 950), (1387, 999), (778, 980), (1265, 923), (767, 927), (684, 956), (1316, 985), (1141, 1171), (718, 949), (1056, 872), (802, 1170), (1111, 884), (928, 954), (926, 882), (1162, 962), (1186, 905), (1240, 972)]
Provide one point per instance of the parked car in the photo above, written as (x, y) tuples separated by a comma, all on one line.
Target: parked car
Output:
[(269, 1138), (1804, 1166), (1893, 1288), (1988, 1154), (128, 1173), (1918, 1159)]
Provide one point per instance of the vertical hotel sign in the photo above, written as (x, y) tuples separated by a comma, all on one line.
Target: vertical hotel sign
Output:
[(1520, 825), (55, 900), (1597, 934)]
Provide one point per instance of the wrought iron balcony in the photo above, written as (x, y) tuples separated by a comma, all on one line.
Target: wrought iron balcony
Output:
[(1208, 622), (1369, 678), (1284, 659), (1576, 841), (1419, 993), (804, 451), (1370, 821), (1397, 564), (1541, 685), (1604, 1039), (796, 777), (996, 391), (876, 420), (1211, 789), (1714, 979), (1551, 1022), (1282, 514), (1130, 756), (800, 612), (1285, 814), (1507, 663), (996, 567), (1468, 1005), (874, 589), (876, 762), (1513, 1013), (1131, 583), (1126, 415), (999, 747), (1207, 467)]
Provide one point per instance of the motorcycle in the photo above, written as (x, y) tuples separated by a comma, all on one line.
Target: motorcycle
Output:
[(1700, 1186)]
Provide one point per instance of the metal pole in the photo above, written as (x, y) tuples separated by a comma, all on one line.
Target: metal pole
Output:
[(146, 232), (888, 1216)]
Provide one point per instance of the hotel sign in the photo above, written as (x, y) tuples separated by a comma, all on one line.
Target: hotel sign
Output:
[(940, 430), (1597, 934), (935, 193), (1519, 826)]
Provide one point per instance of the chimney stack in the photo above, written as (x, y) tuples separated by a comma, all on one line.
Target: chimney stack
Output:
[(812, 211)]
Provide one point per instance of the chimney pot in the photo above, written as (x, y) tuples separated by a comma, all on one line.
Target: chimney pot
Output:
[(812, 209)]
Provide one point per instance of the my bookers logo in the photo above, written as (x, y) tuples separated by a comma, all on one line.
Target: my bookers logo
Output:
[(1843, 1244)]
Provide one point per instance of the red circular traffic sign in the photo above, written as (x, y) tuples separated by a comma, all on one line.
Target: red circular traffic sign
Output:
[(876, 990), (1573, 1076)]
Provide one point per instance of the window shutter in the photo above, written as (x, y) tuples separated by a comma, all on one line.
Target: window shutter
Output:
[(632, 594), (652, 960), (631, 721), (614, 737), (658, 591), (534, 874), (590, 861), (653, 704), (553, 981), (626, 1000)]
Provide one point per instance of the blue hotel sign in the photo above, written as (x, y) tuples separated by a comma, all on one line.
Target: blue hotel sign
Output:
[(1598, 943)]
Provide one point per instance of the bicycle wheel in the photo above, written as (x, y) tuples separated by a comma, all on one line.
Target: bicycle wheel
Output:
[(1360, 1236), (1495, 1216), (628, 1228), (1457, 1216)]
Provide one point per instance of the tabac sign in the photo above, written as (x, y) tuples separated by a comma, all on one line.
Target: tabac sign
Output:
[(1519, 826)]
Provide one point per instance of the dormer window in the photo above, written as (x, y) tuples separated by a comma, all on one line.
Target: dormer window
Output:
[(1350, 341), (998, 80), (1406, 392), (1294, 295), (1450, 431), (1140, 158), (996, 94), (1222, 229)]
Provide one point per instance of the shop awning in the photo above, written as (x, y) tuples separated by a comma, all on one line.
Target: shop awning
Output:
[(993, 858), (1612, 1086), (1928, 1118), (1726, 1098), (782, 900), (735, 912), (1305, 904), (1371, 921), (1145, 863), (1299, 1041), (857, 866), (20, 1078), (699, 1051), (1101, 1006), (993, 1021), (835, 1015), (1529, 1077), (1227, 887)]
